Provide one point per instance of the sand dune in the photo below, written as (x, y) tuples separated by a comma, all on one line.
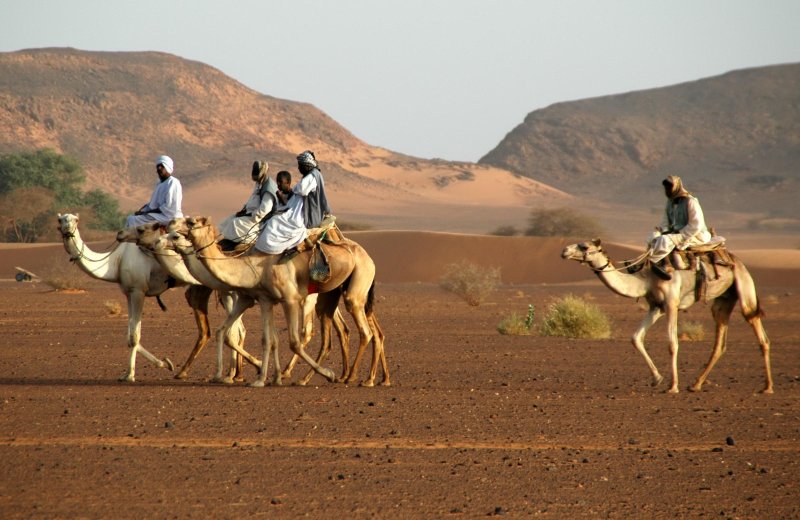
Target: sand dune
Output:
[(419, 256)]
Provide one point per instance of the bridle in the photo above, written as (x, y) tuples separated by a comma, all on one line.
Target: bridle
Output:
[(626, 265)]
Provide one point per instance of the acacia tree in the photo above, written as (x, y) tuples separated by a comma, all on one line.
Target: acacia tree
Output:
[(34, 186), (561, 222)]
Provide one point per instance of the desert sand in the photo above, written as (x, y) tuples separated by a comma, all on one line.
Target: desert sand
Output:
[(475, 423)]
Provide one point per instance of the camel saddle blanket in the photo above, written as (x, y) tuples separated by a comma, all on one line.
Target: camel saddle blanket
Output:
[(706, 261)]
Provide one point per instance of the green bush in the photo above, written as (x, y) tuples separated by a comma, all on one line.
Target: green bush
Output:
[(472, 282), (573, 317), (516, 325), (561, 222)]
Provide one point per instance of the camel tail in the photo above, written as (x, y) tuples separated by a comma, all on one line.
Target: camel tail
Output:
[(161, 304), (746, 289), (370, 299)]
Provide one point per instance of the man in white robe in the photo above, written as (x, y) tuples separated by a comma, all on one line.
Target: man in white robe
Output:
[(682, 226), (287, 229), (165, 203), (245, 225)]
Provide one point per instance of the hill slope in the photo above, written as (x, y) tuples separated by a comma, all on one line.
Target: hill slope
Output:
[(734, 138), (116, 111)]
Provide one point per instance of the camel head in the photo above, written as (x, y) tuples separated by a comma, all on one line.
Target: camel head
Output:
[(68, 224), (586, 253), (200, 231)]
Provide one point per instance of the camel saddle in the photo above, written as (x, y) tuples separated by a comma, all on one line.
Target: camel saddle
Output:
[(705, 260), (327, 233)]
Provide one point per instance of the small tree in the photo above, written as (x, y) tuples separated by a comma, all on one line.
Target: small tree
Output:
[(505, 231), (472, 282), (561, 222)]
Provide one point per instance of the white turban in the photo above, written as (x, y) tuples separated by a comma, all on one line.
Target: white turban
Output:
[(166, 161)]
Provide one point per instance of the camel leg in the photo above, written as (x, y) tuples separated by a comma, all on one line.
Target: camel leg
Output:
[(309, 304), (379, 341), (329, 314), (197, 297), (721, 310), (763, 340), (292, 310), (242, 304), (365, 336), (235, 335), (637, 339), (672, 334), (135, 308)]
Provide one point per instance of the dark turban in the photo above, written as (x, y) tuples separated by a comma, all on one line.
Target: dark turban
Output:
[(306, 161)]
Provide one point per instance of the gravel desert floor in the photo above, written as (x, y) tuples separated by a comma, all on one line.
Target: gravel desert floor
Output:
[(474, 424)]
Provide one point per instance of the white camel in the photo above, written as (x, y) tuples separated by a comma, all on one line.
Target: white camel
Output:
[(137, 274), (667, 297), (269, 279), (148, 236)]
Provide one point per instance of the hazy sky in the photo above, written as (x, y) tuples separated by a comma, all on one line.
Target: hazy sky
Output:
[(428, 78)]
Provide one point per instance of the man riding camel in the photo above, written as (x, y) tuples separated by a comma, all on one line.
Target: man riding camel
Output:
[(683, 225), (245, 225)]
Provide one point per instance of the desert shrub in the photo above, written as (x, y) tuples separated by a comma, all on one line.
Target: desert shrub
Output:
[(516, 325), (505, 231), (561, 222), (113, 308), (691, 331), (471, 282), (573, 317), (64, 276)]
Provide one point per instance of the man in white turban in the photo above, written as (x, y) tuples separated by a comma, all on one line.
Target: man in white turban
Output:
[(682, 226), (165, 203)]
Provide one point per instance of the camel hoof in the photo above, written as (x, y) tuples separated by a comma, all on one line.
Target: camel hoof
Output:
[(127, 378), (256, 384), (695, 388), (386, 382), (657, 380), (277, 382), (767, 390), (286, 374), (182, 375), (168, 364), (673, 391), (222, 380), (329, 375)]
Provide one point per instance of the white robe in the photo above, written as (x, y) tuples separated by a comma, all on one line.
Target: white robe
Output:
[(246, 229), (693, 233), (167, 197), (287, 230)]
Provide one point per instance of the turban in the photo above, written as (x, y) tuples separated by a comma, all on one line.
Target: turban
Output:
[(167, 162), (307, 160), (260, 168), (674, 187)]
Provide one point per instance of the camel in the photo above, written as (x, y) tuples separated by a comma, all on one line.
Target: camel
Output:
[(269, 279), (327, 309), (137, 274), (667, 297), (197, 296)]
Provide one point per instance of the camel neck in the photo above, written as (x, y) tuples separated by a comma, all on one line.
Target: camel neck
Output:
[(624, 284), (103, 266)]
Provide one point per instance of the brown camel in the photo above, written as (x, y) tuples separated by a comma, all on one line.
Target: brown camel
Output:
[(269, 279), (733, 283)]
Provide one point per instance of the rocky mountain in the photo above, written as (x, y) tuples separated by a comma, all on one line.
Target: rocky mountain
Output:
[(734, 138), (116, 111)]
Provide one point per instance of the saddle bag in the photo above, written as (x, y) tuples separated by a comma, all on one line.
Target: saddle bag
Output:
[(319, 269)]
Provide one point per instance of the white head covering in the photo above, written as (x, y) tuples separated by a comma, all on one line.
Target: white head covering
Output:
[(166, 161)]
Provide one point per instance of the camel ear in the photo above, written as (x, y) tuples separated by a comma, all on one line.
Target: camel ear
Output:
[(596, 242)]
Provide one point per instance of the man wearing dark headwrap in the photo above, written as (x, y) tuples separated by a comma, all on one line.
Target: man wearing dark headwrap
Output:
[(312, 187), (305, 209), (245, 225), (683, 225)]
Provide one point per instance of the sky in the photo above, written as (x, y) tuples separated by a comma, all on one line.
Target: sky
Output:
[(428, 78)]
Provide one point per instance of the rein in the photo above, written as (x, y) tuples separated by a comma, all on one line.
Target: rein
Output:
[(113, 247), (626, 263)]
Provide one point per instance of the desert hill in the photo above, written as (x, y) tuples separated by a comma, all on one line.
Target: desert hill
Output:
[(734, 138), (116, 111)]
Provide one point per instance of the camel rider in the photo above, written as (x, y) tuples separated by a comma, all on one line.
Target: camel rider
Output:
[(245, 225), (165, 203), (312, 188), (305, 208), (683, 225)]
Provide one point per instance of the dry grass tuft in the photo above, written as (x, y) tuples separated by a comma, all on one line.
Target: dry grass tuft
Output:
[(572, 317), (472, 282), (62, 275), (113, 308), (691, 331), (516, 325)]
